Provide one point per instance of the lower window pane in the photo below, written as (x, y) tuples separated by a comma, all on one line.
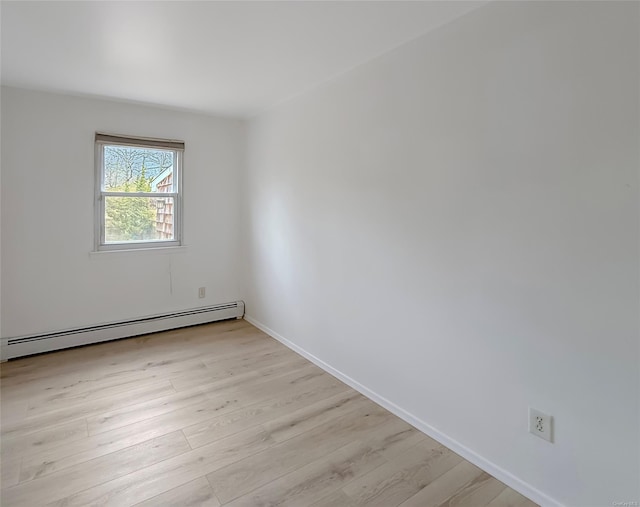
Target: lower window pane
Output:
[(135, 219)]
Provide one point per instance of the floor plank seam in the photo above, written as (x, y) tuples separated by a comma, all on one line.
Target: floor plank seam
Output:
[(187, 439), (213, 490)]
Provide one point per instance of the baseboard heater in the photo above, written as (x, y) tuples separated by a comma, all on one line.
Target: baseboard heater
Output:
[(36, 344)]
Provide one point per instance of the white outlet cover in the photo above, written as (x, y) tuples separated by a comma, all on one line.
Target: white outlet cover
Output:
[(541, 424)]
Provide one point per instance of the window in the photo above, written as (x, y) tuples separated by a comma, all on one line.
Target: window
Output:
[(138, 192)]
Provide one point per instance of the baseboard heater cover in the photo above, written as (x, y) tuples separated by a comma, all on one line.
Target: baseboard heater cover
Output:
[(36, 344)]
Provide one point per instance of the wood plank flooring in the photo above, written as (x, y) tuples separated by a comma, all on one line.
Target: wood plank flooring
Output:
[(218, 414)]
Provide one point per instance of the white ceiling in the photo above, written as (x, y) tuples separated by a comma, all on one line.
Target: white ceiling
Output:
[(233, 58)]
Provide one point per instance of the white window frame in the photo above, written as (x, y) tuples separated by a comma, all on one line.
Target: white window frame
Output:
[(177, 147)]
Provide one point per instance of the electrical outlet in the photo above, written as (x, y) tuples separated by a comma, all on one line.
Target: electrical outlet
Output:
[(202, 292), (540, 425)]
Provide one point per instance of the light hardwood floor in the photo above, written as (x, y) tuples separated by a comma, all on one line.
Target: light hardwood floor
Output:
[(219, 414)]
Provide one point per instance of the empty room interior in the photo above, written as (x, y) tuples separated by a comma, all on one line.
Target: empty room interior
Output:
[(320, 253)]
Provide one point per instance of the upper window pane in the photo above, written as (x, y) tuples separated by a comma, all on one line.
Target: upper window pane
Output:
[(133, 169)]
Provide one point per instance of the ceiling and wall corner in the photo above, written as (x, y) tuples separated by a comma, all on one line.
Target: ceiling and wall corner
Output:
[(225, 58)]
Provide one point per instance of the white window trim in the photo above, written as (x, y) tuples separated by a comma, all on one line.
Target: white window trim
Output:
[(99, 210)]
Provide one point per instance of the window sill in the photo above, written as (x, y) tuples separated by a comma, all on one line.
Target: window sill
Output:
[(160, 250)]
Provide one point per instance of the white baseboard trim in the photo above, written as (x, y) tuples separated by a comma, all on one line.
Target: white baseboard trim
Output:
[(499, 473)]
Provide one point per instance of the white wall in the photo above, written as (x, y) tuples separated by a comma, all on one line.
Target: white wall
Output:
[(49, 280), (3, 341), (455, 226)]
